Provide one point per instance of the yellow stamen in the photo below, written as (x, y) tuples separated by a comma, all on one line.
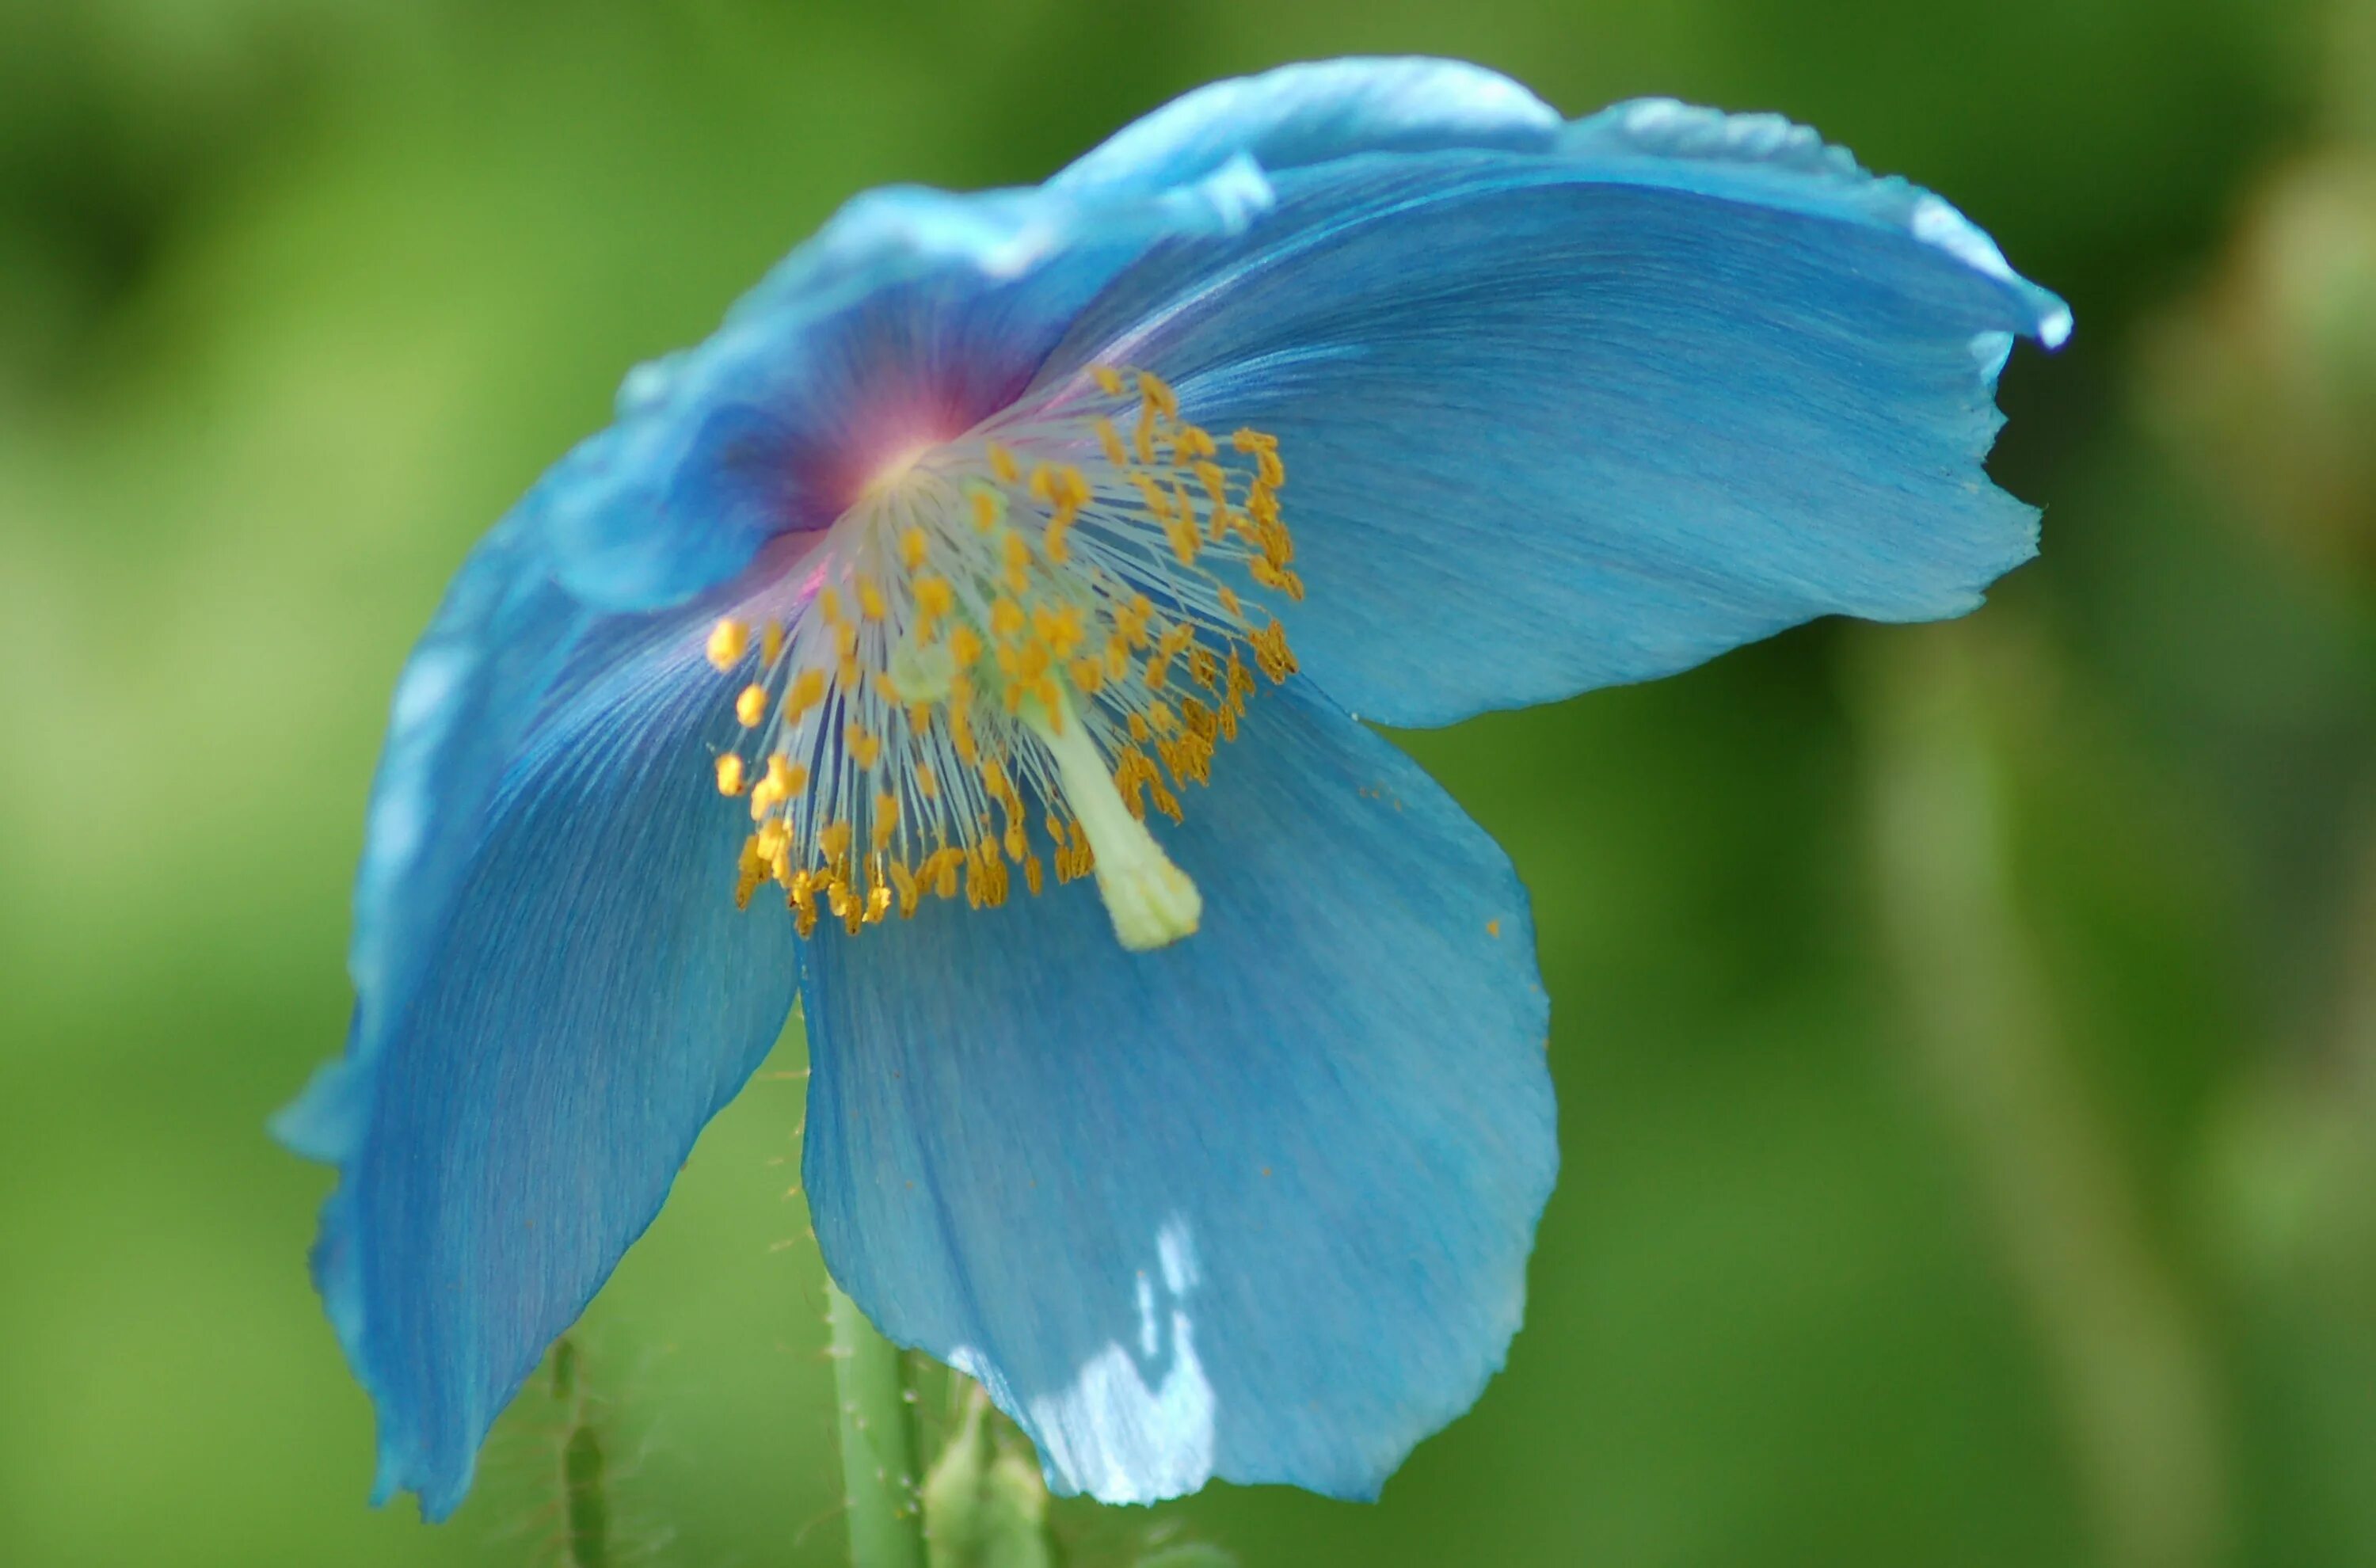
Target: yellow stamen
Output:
[(1028, 646), (728, 639)]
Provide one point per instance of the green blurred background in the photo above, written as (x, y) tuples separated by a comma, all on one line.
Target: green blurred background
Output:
[(1965, 1037)]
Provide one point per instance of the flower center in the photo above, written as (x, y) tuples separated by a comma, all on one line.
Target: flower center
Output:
[(987, 646)]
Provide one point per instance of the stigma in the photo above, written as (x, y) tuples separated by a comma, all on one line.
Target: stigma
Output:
[(1010, 650)]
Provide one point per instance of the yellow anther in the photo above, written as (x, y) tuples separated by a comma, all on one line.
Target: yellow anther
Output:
[(1002, 463), (1109, 382), (1270, 576), (808, 690), (965, 646), (869, 600), (928, 783), (751, 705), (886, 820), (1158, 395), (864, 749), (1087, 675), (1215, 480), (913, 548), (1278, 660), (1151, 490), (728, 639), (1005, 617), (784, 778), (828, 604), (749, 872), (833, 840), (989, 506), (934, 601), (1110, 439), (1229, 605), (730, 774), (1018, 562), (771, 642)]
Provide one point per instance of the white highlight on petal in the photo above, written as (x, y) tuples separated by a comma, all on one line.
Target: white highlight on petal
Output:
[(1989, 352), (1935, 224), (433, 677), (1233, 195), (1113, 1433)]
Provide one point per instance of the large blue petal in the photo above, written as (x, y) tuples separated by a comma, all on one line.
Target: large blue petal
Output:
[(1562, 419), (1256, 1205), (500, 638), (510, 1121)]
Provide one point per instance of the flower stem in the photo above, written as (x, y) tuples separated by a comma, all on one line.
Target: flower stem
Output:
[(878, 1442)]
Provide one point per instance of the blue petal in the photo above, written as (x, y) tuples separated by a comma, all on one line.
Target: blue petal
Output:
[(910, 316), (510, 1121), (1256, 1205), (1559, 420), (1308, 113), (492, 652)]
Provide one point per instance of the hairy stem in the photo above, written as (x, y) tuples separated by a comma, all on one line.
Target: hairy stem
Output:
[(878, 1442)]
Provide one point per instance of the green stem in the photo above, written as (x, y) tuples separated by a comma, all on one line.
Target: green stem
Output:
[(878, 1442)]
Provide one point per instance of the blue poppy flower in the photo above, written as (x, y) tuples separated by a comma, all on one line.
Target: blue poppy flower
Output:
[(968, 640)]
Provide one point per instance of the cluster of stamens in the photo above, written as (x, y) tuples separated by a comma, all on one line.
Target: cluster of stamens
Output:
[(1017, 642)]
